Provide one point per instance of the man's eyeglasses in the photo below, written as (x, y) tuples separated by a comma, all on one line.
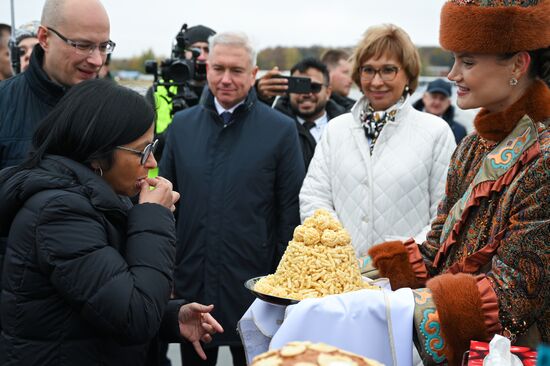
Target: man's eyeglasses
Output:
[(387, 73), (147, 151), (86, 48), (316, 87)]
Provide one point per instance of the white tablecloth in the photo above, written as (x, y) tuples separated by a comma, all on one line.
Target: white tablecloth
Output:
[(375, 324)]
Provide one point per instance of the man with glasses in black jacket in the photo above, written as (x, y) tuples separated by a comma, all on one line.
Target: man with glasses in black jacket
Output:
[(73, 45)]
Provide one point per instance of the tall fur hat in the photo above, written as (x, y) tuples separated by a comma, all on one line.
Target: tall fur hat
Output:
[(495, 26)]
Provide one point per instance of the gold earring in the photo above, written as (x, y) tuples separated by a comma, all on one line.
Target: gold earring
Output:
[(513, 81)]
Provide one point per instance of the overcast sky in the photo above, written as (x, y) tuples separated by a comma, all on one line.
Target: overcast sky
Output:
[(137, 25)]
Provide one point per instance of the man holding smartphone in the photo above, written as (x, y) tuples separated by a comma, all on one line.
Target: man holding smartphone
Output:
[(312, 108)]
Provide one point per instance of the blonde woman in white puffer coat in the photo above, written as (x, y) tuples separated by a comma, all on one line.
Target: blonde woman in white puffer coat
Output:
[(381, 168)]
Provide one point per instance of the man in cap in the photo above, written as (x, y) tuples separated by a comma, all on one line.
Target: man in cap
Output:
[(437, 100), (197, 37), (26, 39), (162, 98)]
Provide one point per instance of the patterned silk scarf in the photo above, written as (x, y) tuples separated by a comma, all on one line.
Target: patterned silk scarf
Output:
[(373, 121)]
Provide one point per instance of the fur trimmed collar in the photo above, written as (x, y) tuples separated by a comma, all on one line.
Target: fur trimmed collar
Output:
[(496, 126)]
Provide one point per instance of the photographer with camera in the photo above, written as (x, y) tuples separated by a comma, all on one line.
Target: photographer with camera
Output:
[(181, 79)]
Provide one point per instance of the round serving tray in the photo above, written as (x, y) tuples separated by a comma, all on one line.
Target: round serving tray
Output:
[(267, 298)]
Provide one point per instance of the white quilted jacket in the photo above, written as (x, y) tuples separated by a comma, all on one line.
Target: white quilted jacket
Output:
[(391, 195)]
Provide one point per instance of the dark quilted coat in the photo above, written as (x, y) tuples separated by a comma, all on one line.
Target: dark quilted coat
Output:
[(87, 276)]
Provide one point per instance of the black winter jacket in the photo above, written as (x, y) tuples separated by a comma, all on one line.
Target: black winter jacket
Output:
[(86, 276), (307, 142), (239, 186), (25, 99)]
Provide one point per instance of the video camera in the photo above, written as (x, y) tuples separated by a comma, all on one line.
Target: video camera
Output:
[(180, 72)]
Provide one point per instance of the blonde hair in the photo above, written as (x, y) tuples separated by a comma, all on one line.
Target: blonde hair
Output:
[(391, 40)]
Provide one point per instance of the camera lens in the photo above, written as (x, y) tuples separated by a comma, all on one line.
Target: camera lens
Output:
[(179, 71)]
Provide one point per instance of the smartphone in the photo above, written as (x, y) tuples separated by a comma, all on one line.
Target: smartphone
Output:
[(296, 84)]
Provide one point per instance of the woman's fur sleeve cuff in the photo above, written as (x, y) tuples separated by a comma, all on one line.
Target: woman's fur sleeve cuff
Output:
[(392, 260), (461, 312)]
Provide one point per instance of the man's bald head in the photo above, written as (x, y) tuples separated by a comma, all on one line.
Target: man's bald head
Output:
[(56, 13), (51, 13), (65, 22)]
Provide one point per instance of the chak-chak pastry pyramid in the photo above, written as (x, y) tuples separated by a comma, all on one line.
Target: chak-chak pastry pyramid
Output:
[(318, 261)]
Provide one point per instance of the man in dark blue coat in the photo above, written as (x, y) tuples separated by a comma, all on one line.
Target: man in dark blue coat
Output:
[(73, 45), (238, 166)]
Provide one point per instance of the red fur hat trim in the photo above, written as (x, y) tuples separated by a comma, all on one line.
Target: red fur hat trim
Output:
[(494, 29)]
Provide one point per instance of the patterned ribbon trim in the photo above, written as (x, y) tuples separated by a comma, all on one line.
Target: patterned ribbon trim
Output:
[(430, 342), (497, 171)]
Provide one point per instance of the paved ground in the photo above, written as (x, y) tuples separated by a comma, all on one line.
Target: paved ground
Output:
[(224, 357)]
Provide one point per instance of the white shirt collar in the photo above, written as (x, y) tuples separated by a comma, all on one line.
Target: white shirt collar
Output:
[(221, 109), (320, 125), (319, 122)]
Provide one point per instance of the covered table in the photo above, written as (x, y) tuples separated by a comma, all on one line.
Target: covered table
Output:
[(375, 324)]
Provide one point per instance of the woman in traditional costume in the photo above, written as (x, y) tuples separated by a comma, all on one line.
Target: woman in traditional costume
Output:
[(484, 267)]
